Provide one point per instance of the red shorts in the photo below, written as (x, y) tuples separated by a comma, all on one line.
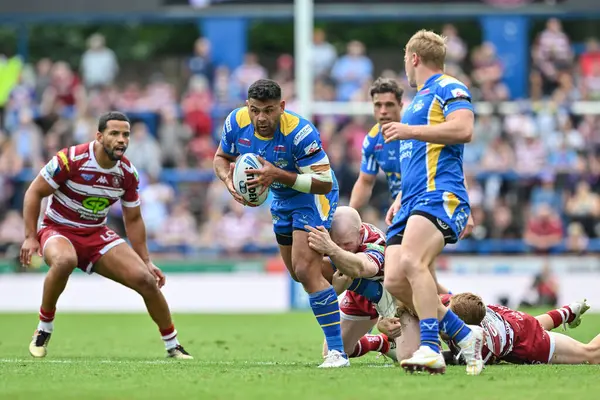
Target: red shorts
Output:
[(89, 243), (355, 307), (531, 344)]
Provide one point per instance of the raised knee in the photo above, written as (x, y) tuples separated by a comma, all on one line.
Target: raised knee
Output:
[(144, 283), (64, 263), (396, 285), (303, 272)]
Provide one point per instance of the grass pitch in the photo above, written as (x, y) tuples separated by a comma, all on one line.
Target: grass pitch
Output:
[(121, 356)]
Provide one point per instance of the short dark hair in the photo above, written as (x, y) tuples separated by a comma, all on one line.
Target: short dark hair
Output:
[(264, 89), (111, 116), (387, 85)]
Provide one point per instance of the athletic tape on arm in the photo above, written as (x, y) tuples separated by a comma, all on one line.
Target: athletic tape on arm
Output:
[(320, 171)]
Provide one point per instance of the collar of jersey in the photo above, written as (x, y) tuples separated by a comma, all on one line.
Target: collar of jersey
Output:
[(431, 79)]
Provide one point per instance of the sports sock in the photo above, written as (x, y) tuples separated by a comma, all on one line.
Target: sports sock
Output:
[(326, 308), (369, 343), (454, 327), (46, 323), (169, 336), (371, 290), (562, 315), (430, 334)]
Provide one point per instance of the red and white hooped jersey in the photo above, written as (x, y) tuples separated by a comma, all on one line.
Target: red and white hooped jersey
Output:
[(373, 245), (84, 190), (499, 334)]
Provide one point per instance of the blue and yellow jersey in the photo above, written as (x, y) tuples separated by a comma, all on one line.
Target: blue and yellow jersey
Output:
[(428, 167), (296, 144), (376, 154)]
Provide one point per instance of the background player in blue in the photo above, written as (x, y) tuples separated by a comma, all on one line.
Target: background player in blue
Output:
[(305, 193), (435, 207), (376, 154)]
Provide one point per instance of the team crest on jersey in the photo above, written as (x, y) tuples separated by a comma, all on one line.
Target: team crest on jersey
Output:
[(87, 177), (116, 181), (281, 163), (244, 142), (418, 106)]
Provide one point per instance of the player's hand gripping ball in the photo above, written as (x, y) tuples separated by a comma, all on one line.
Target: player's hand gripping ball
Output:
[(254, 196)]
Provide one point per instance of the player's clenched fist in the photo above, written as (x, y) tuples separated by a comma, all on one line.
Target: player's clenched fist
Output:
[(390, 327), (30, 247), (231, 188), (396, 131)]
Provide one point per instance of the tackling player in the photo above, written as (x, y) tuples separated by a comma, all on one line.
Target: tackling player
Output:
[(376, 154), (435, 208), (83, 182), (305, 192), (356, 251), (520, 338)]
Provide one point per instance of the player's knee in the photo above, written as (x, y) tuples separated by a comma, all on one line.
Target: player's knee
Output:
[(397, 285), (592, 353), (63, 263), (305, 272), (144, 283)]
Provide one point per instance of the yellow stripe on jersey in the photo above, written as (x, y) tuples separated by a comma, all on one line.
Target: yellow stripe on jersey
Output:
[(374, 131), (65, 160), (242, 117), (287, 123), (434, 117), (323, 206), (451, 202)]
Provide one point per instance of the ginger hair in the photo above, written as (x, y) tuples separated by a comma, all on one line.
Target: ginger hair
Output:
[(469, 307), (429, 46)]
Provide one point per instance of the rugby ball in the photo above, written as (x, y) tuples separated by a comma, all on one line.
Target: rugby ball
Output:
[(240, 179)]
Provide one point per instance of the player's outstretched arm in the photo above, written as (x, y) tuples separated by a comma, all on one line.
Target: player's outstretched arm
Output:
[(362, 190), (358, 265), (32, 204)]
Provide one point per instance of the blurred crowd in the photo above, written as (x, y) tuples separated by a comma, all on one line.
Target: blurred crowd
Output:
[(534, 174)]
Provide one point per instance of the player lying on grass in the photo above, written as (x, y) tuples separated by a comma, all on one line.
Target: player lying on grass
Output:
[(83, 182), (354, 262), (519, 338), (511, 336), (304, 188)]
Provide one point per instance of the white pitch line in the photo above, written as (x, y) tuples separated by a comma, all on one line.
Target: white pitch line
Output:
[(200, 362)]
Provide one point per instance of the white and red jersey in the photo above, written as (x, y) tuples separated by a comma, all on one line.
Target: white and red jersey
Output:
[(373, 245), (499, 334), (84, 190)]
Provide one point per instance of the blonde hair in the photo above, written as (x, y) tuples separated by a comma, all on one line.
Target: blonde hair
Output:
[(429, 46)]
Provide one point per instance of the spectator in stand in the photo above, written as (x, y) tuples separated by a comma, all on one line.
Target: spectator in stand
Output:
[(201, 63), (324, 54), (544, 230), (546, 194), (99, 65), (174, 137), (27, 138), (179, 229), (248, 73), (352, 71), (487, 74), (456, 50), (144, 151), (12, 230), (583, 206), (552, 54), (576, 241)]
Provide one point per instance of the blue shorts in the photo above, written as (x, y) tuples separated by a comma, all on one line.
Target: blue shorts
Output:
[(303, 209), (445, 210)]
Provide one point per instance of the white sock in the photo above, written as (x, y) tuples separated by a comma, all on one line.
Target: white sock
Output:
[(46, 326), (171, 340)]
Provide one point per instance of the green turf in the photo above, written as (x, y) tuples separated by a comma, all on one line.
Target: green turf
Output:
[(101, 356)]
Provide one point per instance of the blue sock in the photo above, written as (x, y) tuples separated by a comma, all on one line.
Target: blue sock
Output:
[(371, 290), (327, 310), (454, 327), (430, 334)]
